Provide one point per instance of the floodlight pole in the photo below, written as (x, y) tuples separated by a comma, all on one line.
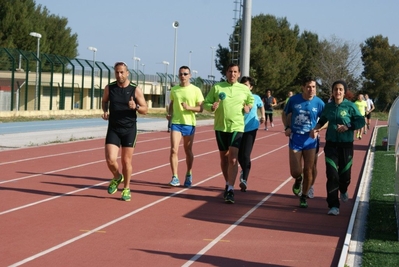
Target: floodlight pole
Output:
[(38, 36), (92, 75), (175, 25)]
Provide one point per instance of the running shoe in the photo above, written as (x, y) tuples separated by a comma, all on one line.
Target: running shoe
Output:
[(344, 197), (230, 197), (113, 185), (368, 126), (243, 185), (175, 181), (225, 192), (272, 124), (333, 211), (311, 192), (125, 196), (297, 187), (265, 128), (302, 202), (188, 181)]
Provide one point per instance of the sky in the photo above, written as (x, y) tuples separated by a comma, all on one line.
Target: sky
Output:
[(124, 29)]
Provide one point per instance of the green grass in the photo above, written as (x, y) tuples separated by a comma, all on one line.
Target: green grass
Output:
[(381, 247), (382, 116)]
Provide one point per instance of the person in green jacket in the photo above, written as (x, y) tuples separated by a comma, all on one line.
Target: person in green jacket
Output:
[(343, 119), (229, 100)]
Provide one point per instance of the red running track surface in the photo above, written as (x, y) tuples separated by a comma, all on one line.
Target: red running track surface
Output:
[(55, 209)]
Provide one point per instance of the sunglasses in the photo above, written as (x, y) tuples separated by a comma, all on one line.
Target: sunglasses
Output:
[(184, 74), (120, 63)]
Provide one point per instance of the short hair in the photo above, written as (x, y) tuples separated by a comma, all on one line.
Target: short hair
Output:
[(308, 79), (233, 65), (118, 63), (185, 68), (245, 79)]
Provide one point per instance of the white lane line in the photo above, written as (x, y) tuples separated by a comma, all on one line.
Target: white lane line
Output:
[(88, 187), (48, 156), (89, 163), (38, 255), (84, 150), (234, 225), (239, 221)]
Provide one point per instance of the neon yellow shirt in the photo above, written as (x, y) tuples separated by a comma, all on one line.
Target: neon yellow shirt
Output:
[(191, 95), (229, 116), (361, 106)]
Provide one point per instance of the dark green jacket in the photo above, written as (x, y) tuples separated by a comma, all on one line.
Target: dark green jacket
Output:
[(345, 113)]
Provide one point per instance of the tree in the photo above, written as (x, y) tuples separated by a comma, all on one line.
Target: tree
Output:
[(274, 59), (381, 70), (308, 47), (20, 17), (222, 59), (337, 59)]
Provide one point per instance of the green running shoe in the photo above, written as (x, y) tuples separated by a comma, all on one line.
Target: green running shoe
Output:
[(297, 187), (113, 185), (126, 194), (302, 202)]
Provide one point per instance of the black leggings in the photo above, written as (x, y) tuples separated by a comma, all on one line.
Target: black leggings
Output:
[(244, 153), (338, 170), (270, 115)]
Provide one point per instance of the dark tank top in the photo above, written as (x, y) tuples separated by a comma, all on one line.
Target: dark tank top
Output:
[(120, 115)]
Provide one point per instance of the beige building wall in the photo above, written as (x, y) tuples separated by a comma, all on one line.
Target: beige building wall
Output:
[(152, 91)]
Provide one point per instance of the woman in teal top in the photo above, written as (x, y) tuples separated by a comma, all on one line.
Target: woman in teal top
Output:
[(252, 123)]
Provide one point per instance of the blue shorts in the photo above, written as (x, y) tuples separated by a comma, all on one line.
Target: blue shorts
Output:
[(185, 130), (299, 142)]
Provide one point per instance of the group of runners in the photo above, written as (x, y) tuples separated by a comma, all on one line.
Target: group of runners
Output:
[(236, 121)]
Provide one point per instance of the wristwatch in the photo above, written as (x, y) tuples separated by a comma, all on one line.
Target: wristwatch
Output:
[(137, 106)]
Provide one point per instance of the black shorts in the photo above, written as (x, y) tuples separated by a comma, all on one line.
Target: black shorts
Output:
[(226, 140), (368, 116), (318, 145), (125, 137)]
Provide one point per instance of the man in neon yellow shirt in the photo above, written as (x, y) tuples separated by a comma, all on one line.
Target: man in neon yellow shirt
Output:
[(229, 100), (361, 105), (185, 100)]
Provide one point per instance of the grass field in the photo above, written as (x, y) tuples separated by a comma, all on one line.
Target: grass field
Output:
[(381, 247)]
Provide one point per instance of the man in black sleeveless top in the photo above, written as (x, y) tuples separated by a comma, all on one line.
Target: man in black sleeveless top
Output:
[(121, 101)]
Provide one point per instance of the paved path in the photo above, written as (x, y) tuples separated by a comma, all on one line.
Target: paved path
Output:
[(23, 134)]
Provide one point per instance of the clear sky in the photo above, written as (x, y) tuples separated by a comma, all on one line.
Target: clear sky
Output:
[(116, 27)]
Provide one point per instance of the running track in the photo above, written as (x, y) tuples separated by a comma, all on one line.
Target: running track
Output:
[(55, 209)]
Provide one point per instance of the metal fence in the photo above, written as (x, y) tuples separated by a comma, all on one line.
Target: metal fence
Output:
[(54, 82)]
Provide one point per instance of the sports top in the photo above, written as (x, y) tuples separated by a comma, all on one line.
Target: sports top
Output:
[(191, 95), (120, 115), (305, 113)]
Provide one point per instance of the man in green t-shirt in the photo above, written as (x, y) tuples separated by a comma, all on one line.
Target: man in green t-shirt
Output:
[(229, 100), (361, 105), (185, 100)]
